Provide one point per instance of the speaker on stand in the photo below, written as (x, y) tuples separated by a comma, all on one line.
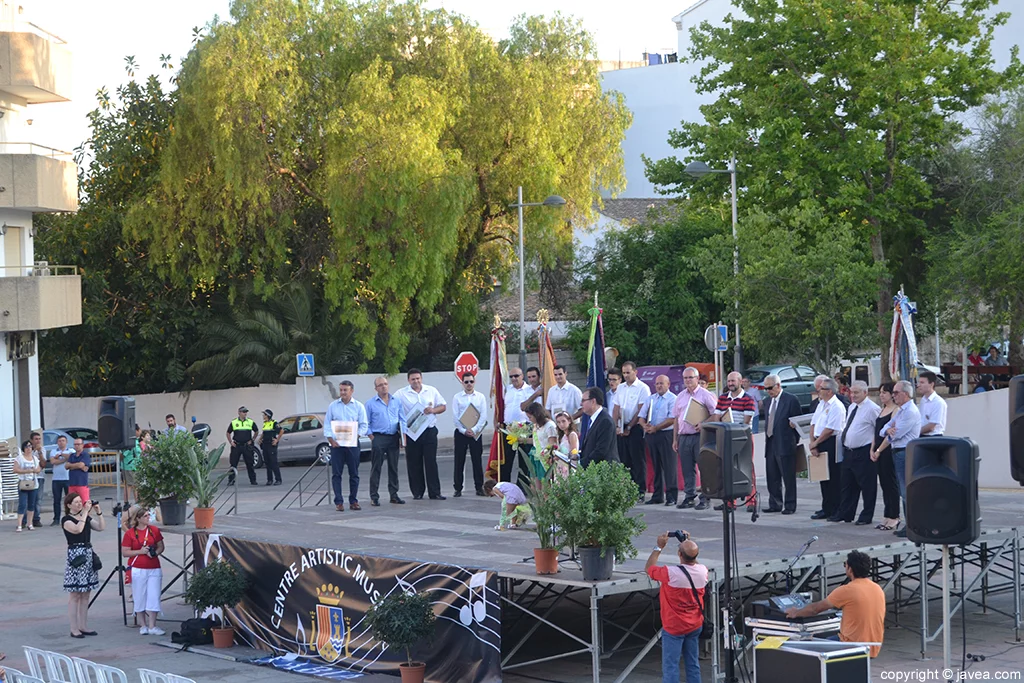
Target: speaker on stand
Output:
[(942, 503), (726, 461), (116, 422), (1017, 429)]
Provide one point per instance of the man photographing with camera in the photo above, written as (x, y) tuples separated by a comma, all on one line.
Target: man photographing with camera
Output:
[(682, 606)]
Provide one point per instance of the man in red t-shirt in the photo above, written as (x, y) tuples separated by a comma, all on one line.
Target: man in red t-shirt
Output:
[(741, 407), (682, 608)]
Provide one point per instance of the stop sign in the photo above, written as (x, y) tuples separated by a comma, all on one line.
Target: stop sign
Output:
[(466, 362)]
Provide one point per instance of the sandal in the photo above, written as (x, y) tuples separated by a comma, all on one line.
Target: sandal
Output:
[(888, 525)]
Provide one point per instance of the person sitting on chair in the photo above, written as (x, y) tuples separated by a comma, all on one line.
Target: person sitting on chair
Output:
[(862, 601)]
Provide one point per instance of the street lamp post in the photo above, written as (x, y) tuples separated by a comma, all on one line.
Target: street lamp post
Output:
[(551, 200), (697, 169)]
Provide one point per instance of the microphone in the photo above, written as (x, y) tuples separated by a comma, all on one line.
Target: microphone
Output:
[(813, 539)]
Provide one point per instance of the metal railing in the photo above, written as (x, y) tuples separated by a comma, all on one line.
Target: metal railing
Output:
[(35, 148), (41, 269), (12, 25), (312, 488)]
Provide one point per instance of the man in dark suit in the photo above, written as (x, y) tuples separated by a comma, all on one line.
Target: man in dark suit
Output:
[(599, 443), (781, 439)]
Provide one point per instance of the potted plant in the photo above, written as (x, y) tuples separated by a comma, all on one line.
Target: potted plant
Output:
[(541, 496), (200, 471), (218, 584), (592, 507), (401, 620), (163, 475)]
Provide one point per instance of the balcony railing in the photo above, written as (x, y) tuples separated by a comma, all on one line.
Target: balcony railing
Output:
[(39, 297)]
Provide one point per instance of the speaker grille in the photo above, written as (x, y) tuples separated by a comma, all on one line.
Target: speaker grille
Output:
[(940, 506)]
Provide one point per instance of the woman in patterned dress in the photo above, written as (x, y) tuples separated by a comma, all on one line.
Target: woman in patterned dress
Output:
[(80, 579)]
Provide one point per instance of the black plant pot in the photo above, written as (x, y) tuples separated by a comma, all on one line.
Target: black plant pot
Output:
[(595, 567), (173, 511)]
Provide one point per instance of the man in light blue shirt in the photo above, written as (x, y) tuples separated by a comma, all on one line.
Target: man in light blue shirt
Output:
[(658, 423), (386, 419), (59, 481), (902, 428), (345, 410)]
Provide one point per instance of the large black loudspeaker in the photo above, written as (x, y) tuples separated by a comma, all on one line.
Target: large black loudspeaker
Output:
[(116, 422), (726, 460), (942, 490), (1017, 429)]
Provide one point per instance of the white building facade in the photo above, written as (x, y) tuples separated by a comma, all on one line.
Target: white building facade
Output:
[(35, 70)]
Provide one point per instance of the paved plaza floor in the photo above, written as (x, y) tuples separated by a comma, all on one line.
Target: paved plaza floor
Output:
[(33, 608)]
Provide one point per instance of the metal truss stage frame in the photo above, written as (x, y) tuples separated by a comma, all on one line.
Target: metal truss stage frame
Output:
[(909, 573)]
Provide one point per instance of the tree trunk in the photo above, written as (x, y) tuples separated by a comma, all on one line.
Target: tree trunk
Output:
[(883, 305)]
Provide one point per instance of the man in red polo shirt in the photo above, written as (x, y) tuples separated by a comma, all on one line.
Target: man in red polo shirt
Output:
[(682, 608)]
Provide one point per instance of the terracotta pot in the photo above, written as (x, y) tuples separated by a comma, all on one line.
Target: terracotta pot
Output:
[(545, 560), (414, 673), (203, 517), (224, 637)]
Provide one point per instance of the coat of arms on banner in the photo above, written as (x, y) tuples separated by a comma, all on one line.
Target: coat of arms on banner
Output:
[(331, 636)]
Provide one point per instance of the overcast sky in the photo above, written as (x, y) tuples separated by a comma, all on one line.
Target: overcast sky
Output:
[(100, 34)]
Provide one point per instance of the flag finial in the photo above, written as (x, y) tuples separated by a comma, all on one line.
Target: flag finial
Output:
[(542, 316), (497, 321)]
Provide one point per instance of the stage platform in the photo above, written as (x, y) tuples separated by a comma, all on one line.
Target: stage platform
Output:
[(603, 618)]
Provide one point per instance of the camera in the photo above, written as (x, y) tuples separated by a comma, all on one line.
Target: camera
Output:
[(118, 509), (152, 551), (679, 535)]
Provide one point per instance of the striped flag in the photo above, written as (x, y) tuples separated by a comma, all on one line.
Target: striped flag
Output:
[(499, 380), (595, 361)]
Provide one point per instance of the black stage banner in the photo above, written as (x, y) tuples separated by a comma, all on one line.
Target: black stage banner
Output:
[(311, 603)]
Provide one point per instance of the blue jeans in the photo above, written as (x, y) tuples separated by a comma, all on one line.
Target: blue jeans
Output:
[(688, 645), (340, 458), (899, 461), (27, 504)]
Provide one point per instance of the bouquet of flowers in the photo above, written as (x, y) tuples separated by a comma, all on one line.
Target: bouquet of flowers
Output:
[(517, 432)]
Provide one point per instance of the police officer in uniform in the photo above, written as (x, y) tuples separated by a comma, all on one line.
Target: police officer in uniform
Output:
[(242, 434), (272, 433)]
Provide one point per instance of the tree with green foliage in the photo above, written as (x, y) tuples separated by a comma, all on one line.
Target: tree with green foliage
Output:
[(975, 265), (374, 149), (806, 284), (136, 328), (650, 285), (836, 102)]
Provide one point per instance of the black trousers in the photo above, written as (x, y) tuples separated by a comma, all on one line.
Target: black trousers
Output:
[(511, 455), (476, 450), (890, 485), (665, 465), (270, 462), (780, 470), (635, 459), (243, 451), (859, 478), (421, 462), (831, 490), (385, 448)]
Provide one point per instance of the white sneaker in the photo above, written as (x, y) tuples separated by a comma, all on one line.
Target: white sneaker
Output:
[(144, 631), (156, 631)]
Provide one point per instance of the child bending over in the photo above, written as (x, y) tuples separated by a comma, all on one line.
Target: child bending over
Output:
[(515, 511)]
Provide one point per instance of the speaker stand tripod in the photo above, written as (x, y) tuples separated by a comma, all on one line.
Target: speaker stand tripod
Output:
[(118, 571)]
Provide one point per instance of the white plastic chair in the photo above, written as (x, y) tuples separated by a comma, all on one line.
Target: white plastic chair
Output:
[(150, 676), (50, 667), (15, 676), (91, 672)]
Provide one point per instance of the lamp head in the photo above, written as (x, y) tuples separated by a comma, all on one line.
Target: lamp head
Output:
[(553, 200), (696, 169)]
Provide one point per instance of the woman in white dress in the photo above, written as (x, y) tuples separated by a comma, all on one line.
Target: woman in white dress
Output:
[(568, 443)]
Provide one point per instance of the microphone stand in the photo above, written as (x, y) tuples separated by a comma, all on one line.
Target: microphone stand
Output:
[(789, 569)]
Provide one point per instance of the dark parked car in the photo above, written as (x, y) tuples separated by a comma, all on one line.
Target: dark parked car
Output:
[(797, 380), (304, 439)]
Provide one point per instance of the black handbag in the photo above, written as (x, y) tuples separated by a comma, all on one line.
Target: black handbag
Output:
[(708, 628), (96, 563), (195, 632)]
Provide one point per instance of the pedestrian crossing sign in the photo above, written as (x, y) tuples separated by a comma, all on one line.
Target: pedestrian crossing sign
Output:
[(304, 363)]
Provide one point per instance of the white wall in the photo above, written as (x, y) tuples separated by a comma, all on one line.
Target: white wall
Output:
[(983, 418), (218, 408)]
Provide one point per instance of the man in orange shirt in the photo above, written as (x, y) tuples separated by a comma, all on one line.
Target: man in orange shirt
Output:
[(862, 601)]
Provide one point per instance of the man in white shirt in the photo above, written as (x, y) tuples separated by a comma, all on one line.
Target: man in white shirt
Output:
[(828, 422), (631, 398), (932, 406), (859, 471), (658, 423), (59, 480), (564, 396), (469, 438), (419, 399), (517, 398)]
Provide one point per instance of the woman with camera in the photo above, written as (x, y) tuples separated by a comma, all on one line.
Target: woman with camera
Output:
[(80, 577), (26, 466), (142, 545)]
